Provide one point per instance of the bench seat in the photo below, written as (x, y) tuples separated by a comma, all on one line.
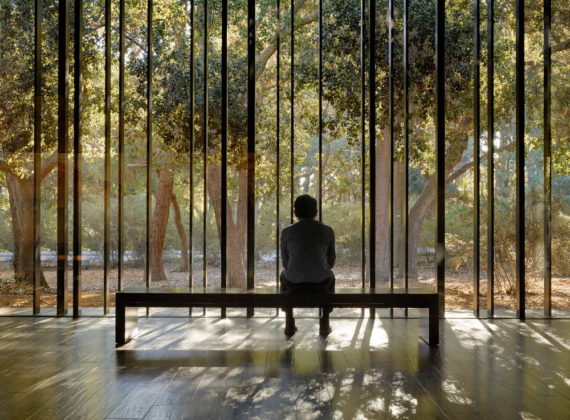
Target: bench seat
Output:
[(130, 299)]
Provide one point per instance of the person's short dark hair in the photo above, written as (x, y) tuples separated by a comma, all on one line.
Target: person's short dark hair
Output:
[(305, 207)]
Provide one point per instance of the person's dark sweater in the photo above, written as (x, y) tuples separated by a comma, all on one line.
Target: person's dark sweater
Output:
[(308, 251)]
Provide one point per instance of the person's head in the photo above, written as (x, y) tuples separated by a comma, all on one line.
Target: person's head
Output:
[(305, 207)]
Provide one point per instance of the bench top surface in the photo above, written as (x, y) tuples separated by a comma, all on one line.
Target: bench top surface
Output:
[(267, 291)]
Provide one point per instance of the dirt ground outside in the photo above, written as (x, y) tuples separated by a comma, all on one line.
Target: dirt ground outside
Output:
[(459, 287)]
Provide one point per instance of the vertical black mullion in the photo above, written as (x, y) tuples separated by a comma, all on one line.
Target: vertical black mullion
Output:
[(36, 299), (224, 146), (148, 168), (362, 146), (205, 151), (121, 177), (191, 158), (149, 71), (520, 161), (250, 146), (547, 160), (320, 110), (406, 146), (191, 154), (491, 158), (440, 152), (63, 150), (292, 111), (107, 159), (372, 134), (391, 145), (476, 151), (77, 151), (278, 145)]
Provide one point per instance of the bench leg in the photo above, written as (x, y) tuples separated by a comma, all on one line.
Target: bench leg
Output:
[(126, 324), (324, 323), (433, 325), (289, 321)]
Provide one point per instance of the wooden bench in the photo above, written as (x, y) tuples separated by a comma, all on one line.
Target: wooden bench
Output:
[(129, 300)]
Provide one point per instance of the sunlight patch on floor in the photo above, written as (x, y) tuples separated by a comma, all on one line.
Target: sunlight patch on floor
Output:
[(357, 334), (454, 393), (471, 333)]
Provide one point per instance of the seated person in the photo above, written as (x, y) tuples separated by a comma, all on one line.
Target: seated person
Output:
[(308, 252)]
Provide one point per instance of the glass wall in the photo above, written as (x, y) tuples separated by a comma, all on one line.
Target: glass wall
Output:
[(17, 122), (49, 133), (560, 154), (421, 170), (342, 135), (312, 85), (459, 193), (534, 165)]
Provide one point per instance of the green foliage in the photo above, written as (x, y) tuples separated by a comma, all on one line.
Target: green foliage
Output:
[(341, 107)]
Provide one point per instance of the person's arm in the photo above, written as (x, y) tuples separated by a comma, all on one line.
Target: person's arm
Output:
[(284, 250), (331, 253)]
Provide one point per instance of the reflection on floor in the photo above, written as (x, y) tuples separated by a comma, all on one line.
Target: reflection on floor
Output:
[(342, 313), (207, 367)]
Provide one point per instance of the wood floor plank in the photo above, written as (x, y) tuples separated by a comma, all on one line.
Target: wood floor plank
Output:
[(163, 412), (142, 397), (246, 368)]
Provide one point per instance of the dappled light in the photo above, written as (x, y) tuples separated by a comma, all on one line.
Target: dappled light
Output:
[(189, 187), (367, 368), (161, 156)]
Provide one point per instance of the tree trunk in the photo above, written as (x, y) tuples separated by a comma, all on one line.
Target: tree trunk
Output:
[(181, 234), (21, 209), (418, 212), (236, 231), (399, 232), (425, 204), (382, 207), (160, 223), (235, 238), (241, 222)]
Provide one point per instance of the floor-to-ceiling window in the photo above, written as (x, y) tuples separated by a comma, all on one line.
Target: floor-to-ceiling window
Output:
[(128, 130)]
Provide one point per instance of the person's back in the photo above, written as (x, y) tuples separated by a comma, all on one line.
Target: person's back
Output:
[(308, 253)]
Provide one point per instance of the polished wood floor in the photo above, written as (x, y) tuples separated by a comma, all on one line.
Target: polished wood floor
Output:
[(207, 367)]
